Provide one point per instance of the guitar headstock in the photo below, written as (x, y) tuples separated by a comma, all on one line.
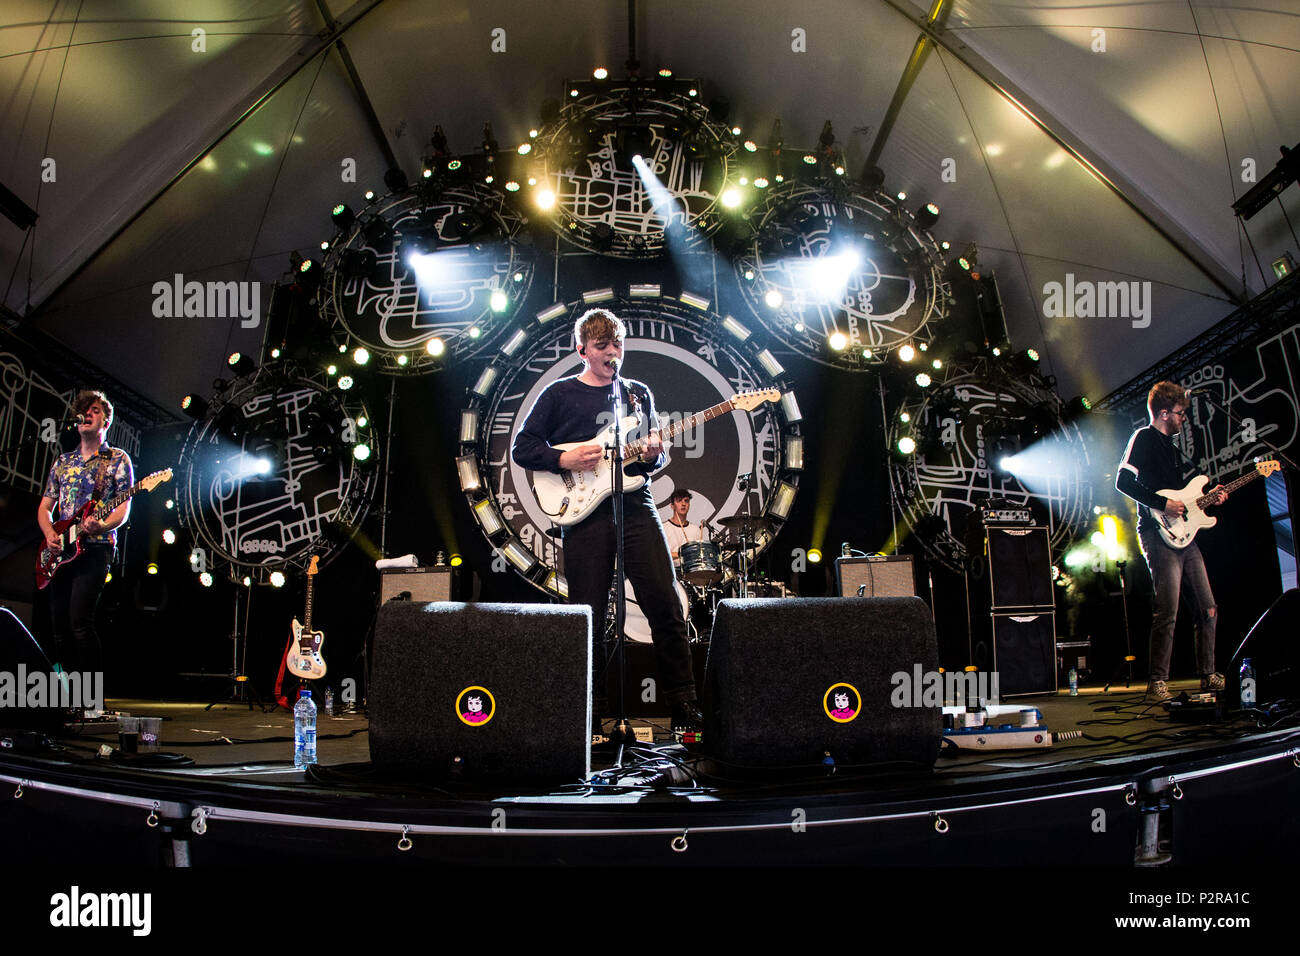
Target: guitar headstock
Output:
[(753, 398), (315, 560), (156, 479), (1266, 468)]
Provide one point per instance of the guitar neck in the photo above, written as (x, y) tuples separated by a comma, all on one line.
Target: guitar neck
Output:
[(306, 614), (635, 449), (108, 507), (1232, 486)]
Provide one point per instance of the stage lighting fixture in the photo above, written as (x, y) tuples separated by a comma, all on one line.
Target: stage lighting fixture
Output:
[(310, 274), (467, 469), (790, 408), (774, 299), (792, 456), (324, 245), (751, 146), (342, 217), (358, 263), (602, 237), (152, 568), (1075, 408), (435, 347), (782, 500), (370, 195), (512, 185), (512, 344), (169, 504), (361, 451), (402, 360), (475, 331), (346, 382), (904, 417), (733, 326), (331, 369), (814, 556), (907, 445), (544, 198), (487, 516), (206, 579), (644, 290), (1283, 266), (927, 216), (937, 364), (761, 182), (455, 560), (731, 197), (499, 301), (906, 353), (838, 341), (240, 363), (665, 73), (395, 180), (486, 379), (770, 364), (277, 579), (518, 554), (362, 421), (600, 73), (169, 536), (361, 355), (923, 379), (194, 406), (468, 426)]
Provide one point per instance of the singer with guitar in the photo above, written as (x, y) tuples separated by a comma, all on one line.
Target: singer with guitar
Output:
[(573, 410), (1148, 472), (93, 470)]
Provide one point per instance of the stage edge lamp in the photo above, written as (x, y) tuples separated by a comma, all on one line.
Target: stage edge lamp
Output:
[(468, 426), (485, 381), (792, 455), (519, 555), (770, 364), (782, 501), (735, 328), (552, 312), (467, 470), (513, 343), (486, 514)]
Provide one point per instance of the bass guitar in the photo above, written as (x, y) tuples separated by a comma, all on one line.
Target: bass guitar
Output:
[(304, 658), (1178, 532), (569, 496), (69, 547)]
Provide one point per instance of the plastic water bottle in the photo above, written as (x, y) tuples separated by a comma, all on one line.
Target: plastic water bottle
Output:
[(1074, 682), (304, 730), (329, 701), (1247, 684)]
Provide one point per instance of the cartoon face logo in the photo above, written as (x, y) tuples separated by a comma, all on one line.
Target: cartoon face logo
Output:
[(475, 706), (842, 703)]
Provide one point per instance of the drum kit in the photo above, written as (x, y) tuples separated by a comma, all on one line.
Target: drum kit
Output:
[(707, 572)]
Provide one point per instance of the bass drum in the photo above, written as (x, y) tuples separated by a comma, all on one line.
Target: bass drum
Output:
[(635, 624)]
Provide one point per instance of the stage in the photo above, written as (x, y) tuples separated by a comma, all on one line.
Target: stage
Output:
[(1136, 789)]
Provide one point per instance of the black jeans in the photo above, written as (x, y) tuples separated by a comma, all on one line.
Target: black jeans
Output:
[(74, 595), (589, 570)]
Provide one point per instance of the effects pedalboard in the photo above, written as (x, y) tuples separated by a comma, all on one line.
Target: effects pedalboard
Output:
[(967, 728)]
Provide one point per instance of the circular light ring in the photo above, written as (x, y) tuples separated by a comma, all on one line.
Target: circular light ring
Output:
[(893, 293), (689, 152), (952, 466), (686, 358), (263, 522), (387, 310)]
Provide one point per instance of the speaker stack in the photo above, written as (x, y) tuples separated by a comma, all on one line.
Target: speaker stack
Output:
[(1012, 607)]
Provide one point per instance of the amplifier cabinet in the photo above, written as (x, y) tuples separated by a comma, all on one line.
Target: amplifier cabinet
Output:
[(423, 584), (882, 575)]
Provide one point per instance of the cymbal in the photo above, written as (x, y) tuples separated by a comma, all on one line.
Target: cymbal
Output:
[(745, 522)]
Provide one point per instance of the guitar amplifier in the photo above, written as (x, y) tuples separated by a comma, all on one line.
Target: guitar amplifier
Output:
[(422, 584), (884, 575)]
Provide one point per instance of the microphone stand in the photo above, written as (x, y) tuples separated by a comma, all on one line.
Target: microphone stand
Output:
[(622, 734)]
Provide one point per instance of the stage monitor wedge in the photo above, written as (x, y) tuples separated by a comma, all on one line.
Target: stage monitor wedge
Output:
[(482, 692), (789, 682)]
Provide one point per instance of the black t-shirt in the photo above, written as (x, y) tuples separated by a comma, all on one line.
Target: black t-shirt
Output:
[(1150, 464)]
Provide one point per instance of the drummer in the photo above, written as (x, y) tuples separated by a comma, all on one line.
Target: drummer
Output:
[(677, 529)]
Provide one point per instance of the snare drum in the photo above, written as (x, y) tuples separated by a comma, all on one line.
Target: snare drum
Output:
[(701, 562)]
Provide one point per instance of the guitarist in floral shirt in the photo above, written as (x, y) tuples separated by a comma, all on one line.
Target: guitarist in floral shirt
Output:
[(93, 470)]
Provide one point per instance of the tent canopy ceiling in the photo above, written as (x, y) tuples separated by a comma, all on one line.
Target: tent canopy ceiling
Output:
[(1101, 140)]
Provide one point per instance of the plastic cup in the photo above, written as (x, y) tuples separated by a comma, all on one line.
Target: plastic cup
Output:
[(150, 734), (128, 734)]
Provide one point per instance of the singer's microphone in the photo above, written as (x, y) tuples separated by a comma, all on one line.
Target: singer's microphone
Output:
[(612, 363)]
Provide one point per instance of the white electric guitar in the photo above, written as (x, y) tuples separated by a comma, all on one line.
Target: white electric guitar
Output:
[(569, 496), (304, 657), (1179, 532)]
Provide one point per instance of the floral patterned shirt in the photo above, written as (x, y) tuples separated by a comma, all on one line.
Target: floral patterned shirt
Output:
[(72, 483)]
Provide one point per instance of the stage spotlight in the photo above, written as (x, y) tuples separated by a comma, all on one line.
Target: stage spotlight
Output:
[(310, 274), (362, 421), (774, 299), (246, 581), (361, 355), (169, 536), (1076, 408), (814, 556), (525, 149), (346, 382), (331, 369), (402, 360), (838, 341), (475, 331), (906, 353), (907, 445), (904, 417), (361, 451), (455, 560), (751, 146), (206, 579), (602, 237), (927, 215), (153, 568), (731, 197), (240, 363), (923, 379), (512, 185), (277, 579), (499, 301), (194, 406), (937, 364), (760, 182), (544, 198), (435, 347), (600, 73), (169, 504), (324, 245), (342, 216), (370, 195)]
